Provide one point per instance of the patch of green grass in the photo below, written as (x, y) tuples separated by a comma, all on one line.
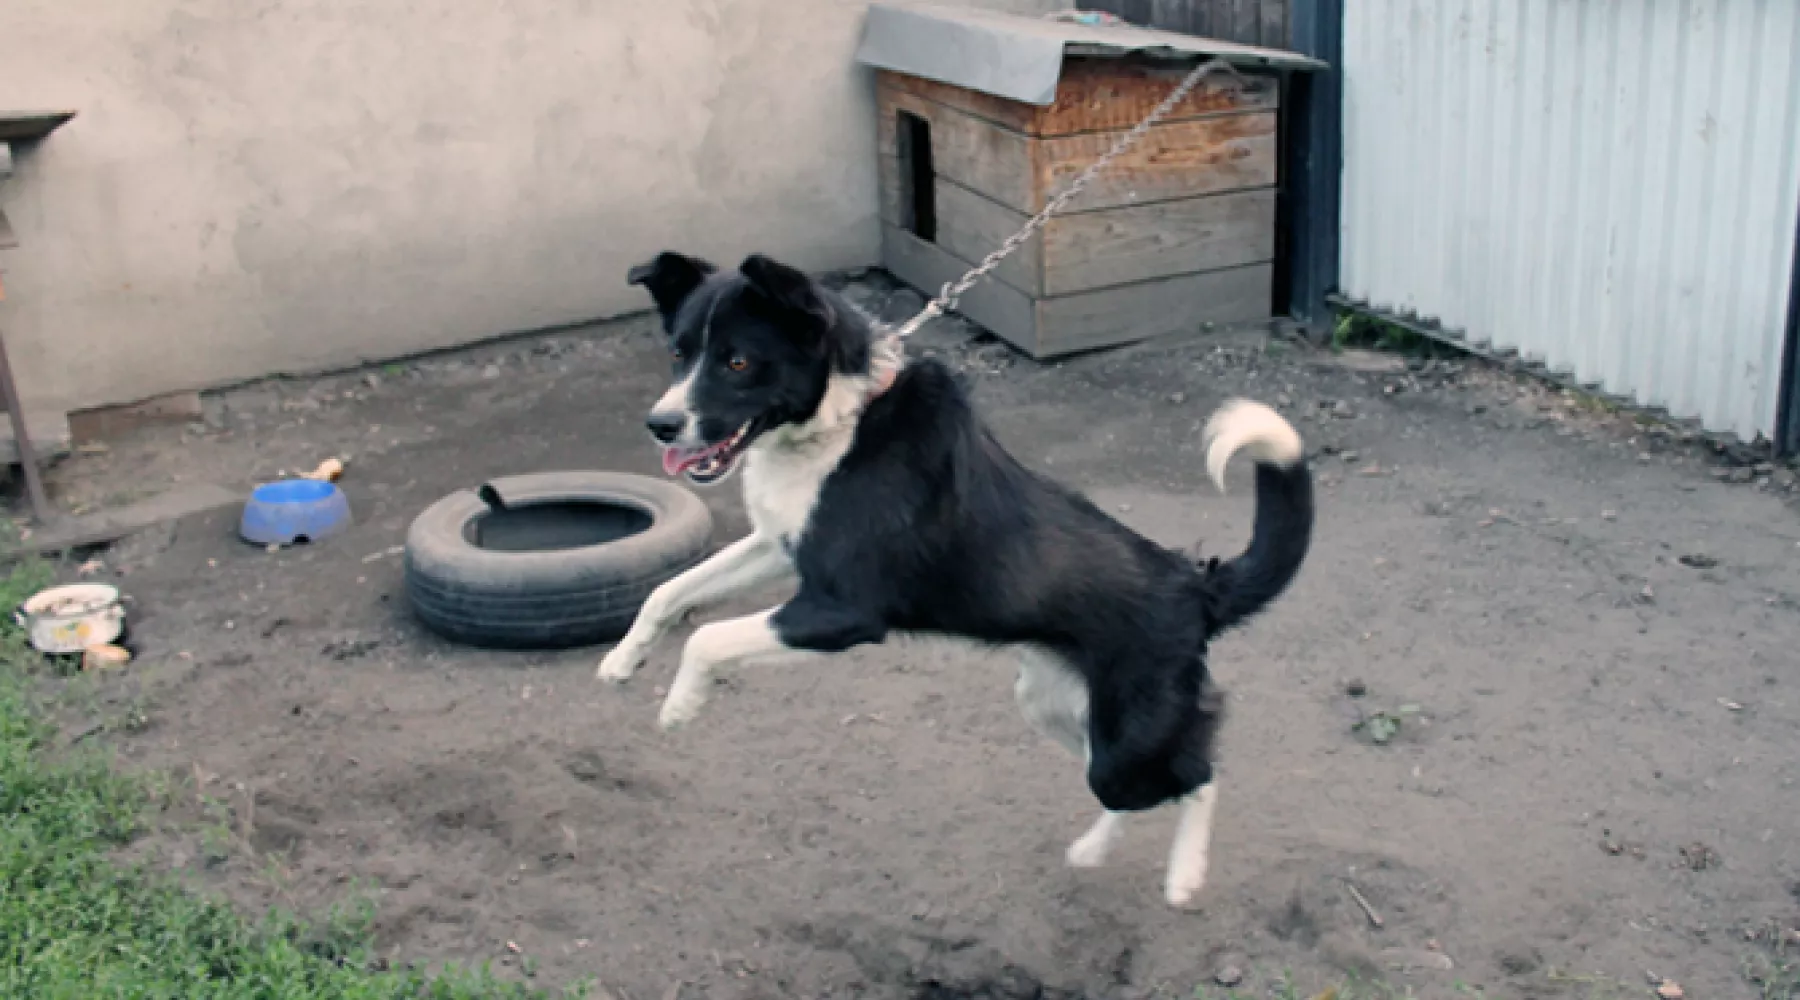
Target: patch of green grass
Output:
[(1382, 726), (1358, 330), (1774, 969), (75, 924), (1370, 333)]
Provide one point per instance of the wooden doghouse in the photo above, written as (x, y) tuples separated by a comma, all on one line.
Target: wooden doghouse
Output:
[(986, 117)]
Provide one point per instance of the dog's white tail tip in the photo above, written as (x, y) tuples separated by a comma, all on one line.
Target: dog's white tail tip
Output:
[(1252, 427)]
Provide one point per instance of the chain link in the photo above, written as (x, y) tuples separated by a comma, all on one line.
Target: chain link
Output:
[(952, 292)]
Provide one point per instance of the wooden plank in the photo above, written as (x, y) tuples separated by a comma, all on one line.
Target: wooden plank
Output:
[(1273, 30), (1127, 313), (1135, 11), (1089, 250), (970, 227), (1180, 160), (1096, 95), (1092, 250), (1177, 15), (977, 154), (1246, 21), (888, 188), (110, 525), (995, 305)]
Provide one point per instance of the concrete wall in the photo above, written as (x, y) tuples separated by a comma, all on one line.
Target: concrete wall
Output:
[(270, 185)]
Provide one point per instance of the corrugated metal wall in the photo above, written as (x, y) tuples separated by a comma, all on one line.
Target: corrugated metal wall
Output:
[(1608, 186)]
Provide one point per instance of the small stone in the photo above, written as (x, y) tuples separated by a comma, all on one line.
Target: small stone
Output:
[(1741, 476), (1177, 398), (1229, 976), (1609, 515), (1343, 410), (372, 380), (1355, 687), (1699, 857), (1764, 468), (491, 371), (1670, 990), (1350, 456)]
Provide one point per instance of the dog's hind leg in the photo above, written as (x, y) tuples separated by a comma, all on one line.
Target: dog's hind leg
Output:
[(740, 566), (1054, 700), (1188, 856)]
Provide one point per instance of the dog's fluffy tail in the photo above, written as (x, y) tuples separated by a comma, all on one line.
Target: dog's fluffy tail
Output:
[(1284, 508)]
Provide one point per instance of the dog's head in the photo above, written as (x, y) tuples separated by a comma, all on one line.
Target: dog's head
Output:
[(752, 351)]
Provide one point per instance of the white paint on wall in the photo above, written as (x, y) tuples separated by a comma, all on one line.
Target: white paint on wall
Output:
[(255, 186)]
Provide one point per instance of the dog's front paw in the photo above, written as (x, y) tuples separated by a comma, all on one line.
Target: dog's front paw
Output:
[(681, 706), (1090, 851), (1183, 890), (618, 665)]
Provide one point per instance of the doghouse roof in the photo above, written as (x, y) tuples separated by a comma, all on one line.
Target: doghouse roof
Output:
[(1020, 58)]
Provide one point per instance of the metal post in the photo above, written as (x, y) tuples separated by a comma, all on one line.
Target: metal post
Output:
[(1315, 162), (1787, 410)]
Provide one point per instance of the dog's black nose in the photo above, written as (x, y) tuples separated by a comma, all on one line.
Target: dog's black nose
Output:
[(666, 426)]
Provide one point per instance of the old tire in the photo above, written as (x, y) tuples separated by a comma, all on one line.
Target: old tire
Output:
[(550, 560)]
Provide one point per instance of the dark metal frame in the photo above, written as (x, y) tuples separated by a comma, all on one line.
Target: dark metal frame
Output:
[(1312, 165), (1787, 411)]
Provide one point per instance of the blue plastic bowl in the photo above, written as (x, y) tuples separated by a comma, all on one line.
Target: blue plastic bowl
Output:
[(294, 510)]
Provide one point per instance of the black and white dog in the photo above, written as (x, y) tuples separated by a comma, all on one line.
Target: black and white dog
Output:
[(881, 490)]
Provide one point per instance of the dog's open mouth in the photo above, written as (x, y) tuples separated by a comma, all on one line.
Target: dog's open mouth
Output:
[(709, 463)]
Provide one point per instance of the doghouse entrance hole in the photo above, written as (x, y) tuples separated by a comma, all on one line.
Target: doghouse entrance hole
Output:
[(918, 181)]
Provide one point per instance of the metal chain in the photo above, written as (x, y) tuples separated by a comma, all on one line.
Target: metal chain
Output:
[(952, 292)]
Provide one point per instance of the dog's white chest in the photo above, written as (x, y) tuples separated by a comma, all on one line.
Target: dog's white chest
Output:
[(782, 482), (784, 471)]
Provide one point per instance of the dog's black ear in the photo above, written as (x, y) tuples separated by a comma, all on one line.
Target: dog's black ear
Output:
[(790, 289), (670, 278)]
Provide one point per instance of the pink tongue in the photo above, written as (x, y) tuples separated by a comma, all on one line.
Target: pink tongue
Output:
[(677, 460)]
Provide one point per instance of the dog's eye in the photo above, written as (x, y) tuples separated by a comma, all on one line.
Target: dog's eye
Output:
[(738, 364)]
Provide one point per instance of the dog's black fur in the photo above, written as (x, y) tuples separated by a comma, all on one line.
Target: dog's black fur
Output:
[(928, 525)]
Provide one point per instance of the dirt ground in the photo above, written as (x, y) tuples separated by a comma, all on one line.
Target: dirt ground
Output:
[(1598, 786)]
